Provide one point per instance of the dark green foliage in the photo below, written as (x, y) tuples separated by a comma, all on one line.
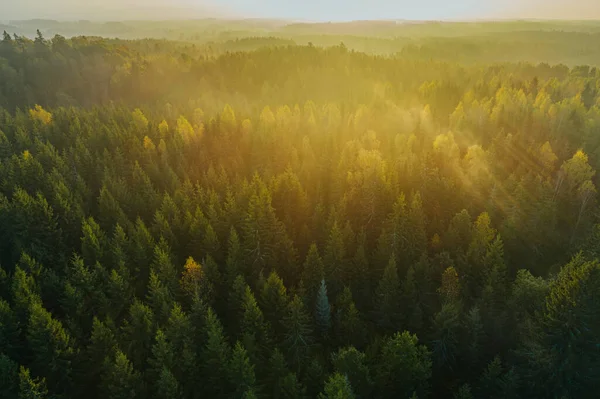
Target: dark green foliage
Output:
[(9, 377), (388, 297), (562, 355), (31, 388), (312, 274), (121, 380), (51, 348), (298, 337), (349, 327), (284, 384), (215, 355), (241, 370), (323, 310), (353, 364), (404, 367), (274, 302), (337, 387)]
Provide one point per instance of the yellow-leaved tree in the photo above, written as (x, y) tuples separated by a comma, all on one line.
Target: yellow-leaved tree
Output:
[(40, 114)]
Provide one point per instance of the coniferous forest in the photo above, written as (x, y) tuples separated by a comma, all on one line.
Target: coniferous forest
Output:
[(267, 219)]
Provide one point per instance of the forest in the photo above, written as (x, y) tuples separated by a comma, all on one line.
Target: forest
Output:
[(265, 218)]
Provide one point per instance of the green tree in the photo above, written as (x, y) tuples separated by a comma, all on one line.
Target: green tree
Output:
[(31, 388), (274, 302), (51, 347), (10, 331), (283, 383), (241, 372), (215, 357), (563, 354), (254, 329), (9, 377), (388, 296), (323, 310), (121, 380), (138, 332), (312, 274), (349, 327), (404, 367), (352, 363), (298, 336), (337, 387)]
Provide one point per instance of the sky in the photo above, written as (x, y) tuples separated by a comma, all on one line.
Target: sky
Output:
[(306, 10)]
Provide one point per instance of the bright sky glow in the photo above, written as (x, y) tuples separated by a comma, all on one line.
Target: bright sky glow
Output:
[(312, 10)]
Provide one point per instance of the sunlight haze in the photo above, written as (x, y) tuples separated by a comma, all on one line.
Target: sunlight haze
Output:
[(311, 10)]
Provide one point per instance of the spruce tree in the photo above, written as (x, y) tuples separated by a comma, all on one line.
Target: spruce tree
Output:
[(323, 310), (298, 337)]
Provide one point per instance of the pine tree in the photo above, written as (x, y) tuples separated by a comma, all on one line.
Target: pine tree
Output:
[(51, 347), (298, 337), (138, 333), (314, 376), (254, 330), (235, 260), (352, 363), (31, 388), (241, 373), (160, 298), (274, 302), (284, 384), (163, 357), (474, 337), (464, 392), (120, 380), (337, 387), (403, 367), (323, 310), (9, 331), (565, 346), (9, 376), (446, 332), (334, 259), (416, 230), (361, 280), (387, 300), (349, 326), (215, 357), (102, 344), (412, 309), (312, 275), (167, 386)]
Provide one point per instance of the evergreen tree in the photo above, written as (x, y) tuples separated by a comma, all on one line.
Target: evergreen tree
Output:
[(274, 302), (387, 300), (298, 337), (349, 326), (215, 357), (31, 388), (9, 377), (403, 368), (51, 348), (337, 387), (312, 274), (323, 310), (254, 329), (283, 383), (120, 380), (9, 331), (138, 333), (352, 363), (561, 336), (241, 373)]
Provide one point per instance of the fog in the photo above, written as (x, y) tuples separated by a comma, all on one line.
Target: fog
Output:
[(315, 10)]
